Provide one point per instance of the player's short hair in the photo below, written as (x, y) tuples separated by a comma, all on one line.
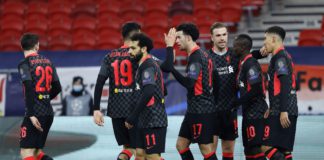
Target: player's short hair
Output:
[(245, 41), (217, 25), (128, 28), (28, 41), (143, 41), (189, 29), (77, 78), (278, 31)]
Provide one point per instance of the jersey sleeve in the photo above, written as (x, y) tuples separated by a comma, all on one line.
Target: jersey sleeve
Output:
[(24, 71), (253, 73), (194, 67), (104, 71), (55, 76), (281, 66), (148, 75)]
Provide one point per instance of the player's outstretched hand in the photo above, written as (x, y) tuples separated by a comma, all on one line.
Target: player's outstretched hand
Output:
[(263, 51), (266, 114), (128, 125), (98, 118), (284, 119), (170, 38), (36, 123)]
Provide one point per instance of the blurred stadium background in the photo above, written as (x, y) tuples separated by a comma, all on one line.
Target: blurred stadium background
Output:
[(76, 34)]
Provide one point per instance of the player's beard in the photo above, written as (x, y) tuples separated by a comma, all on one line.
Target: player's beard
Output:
[(138, 56)]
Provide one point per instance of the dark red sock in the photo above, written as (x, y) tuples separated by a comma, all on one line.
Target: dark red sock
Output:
[(227, 156), (274, 154), (186, 154), (30, 158), (40, 155), (259, 156), (126, 152), (210, 156), (288, 156)]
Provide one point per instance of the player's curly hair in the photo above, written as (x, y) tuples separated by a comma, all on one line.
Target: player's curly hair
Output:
[(28, 41), (189, 29), (130, 27), (278, 31), (143, 41)]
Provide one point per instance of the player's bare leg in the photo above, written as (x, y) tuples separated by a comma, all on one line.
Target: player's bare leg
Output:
[(183, 148), (228, 149), (215, 143), (153, 157), (27, 153), (140, 154), (207, 152)]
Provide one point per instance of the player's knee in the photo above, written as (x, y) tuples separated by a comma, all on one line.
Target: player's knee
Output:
[(205, 148), (182, 144), (228, 148), (27, 152), (140, 154), (153, 157)]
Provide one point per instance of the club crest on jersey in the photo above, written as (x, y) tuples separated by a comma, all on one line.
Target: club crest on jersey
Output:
[(241, 84), (146, 75), (230, 69), (228, 59), (137, 87), (251, 72), (192, 68)]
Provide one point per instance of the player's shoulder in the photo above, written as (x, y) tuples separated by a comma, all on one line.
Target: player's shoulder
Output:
[(118, 53), (230, 51), (252, 62), (23, 62)]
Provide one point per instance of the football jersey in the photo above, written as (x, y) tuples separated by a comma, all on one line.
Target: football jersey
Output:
[(227, 67), (200, 98), (250, 73), (154, 114), (281, 64), (120, 68), (42, 73)]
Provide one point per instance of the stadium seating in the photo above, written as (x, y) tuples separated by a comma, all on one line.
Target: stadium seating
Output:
[(156, 23), (84, 24), (106, 22), (60, 43), (178, 19), (59, 25), (13, 8), (59, 9), (57, 19), (12, 24), (84, 9), (181, 7), (84, 41), (132, 9), (108, 40), (205, 21), (10, 43), (106, 9), (310, 37), (205, 7), (37, 8), (36, 26)]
